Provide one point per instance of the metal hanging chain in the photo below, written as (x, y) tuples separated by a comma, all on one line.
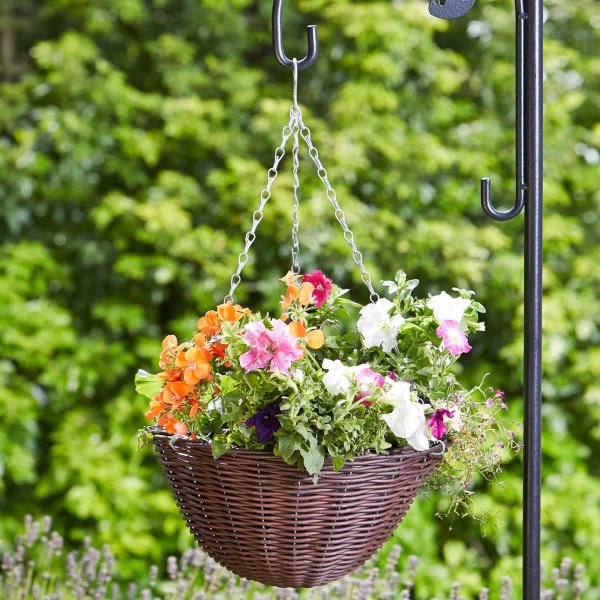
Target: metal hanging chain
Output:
[(258, 214), (295, 179), (339, 213), (296, 128)]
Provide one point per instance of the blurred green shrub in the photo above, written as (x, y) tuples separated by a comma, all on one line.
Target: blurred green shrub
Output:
[(134, 140)]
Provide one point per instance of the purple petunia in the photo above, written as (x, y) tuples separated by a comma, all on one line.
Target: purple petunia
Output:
[(266, 422), (436, 423)]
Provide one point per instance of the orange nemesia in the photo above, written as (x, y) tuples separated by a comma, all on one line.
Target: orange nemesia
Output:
[(306, 292), (209, 323), (291, 294), (290, 278), (195, 363), (297, 329), (176, 392), (231, 312), (169, 344)]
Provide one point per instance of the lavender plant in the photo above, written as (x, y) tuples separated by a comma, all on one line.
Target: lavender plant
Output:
[(37, 566)]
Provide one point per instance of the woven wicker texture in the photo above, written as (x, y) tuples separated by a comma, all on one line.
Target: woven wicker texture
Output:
[(266, 521)]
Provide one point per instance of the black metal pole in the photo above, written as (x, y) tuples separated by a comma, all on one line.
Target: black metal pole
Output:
[(533, 300), (529, 195)]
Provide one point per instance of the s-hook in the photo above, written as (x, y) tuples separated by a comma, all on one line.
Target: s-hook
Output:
[(311, 34)]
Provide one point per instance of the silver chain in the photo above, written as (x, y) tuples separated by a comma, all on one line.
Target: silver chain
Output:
[(258, 214), (338, 212), (295, 179), (295, 199), (295, 129)]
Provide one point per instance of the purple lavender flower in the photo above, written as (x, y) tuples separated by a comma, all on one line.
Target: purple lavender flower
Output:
[(266, 422)]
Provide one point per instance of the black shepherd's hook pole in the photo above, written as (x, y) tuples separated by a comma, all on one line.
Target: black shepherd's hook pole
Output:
[(529, 196)]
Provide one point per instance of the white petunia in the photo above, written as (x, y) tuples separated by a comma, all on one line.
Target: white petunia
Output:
[(407, 420), (377, 327), (338, 378), (447, 308), (454, 422)]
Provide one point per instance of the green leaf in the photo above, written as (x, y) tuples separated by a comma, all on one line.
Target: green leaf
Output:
[(227, 385), (338, 463), (288, 444), (313, 457), (148, 384)]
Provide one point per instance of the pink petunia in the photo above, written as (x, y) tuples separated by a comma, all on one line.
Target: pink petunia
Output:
[(436, 423), (454, 339), (275, 348), (368, 381), (322, 285)]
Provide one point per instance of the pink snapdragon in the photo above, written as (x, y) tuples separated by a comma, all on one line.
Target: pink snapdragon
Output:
[(436, 423), (275, 348), (322, 285), (453, 338)]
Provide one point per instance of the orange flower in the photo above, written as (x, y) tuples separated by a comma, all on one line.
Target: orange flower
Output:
[(291, 294), (172, 425), (195, 363), (209, 323), (156, 407), (290, 278), (297, 329), (171, 374), (228, 312), (175, 393), (231, 312), (169, 344), (306, 292), (315, 339)]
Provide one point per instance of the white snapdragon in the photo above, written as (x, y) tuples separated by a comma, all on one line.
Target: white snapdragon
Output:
[(378, 327), (407, 420), (447, 308)]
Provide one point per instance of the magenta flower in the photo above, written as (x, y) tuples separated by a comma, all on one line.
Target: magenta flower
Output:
[(368, 381), (275, 348), (436, 423), (454, 339), (322, 285), (266, 422)]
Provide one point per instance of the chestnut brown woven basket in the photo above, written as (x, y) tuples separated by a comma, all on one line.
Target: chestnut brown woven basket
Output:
[(266, 521)]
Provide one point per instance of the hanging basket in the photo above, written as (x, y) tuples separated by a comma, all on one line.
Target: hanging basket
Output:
[(266, 521)]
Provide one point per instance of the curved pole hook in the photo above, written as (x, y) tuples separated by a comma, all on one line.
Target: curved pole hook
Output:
[(311, 34), (521, 131)]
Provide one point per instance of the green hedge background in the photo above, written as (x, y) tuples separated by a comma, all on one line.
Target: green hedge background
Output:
[(134, 141)]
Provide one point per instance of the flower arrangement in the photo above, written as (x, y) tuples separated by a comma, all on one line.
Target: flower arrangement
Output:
[(330, 377)]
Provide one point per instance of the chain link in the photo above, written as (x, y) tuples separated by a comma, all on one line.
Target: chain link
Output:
[(338, 212), (258, 214), (295, 199)]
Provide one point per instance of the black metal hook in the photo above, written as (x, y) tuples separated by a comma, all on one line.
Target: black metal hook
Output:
[(521, 130), (311, 34), (450, 9)]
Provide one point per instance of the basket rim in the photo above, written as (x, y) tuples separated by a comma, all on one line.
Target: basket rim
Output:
[(157, 431)]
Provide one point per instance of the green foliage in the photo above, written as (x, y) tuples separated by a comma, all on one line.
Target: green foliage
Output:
[(134, 138)]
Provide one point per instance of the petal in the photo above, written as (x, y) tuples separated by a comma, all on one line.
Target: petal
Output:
[(315, 339), (306, 292), (297, 329)]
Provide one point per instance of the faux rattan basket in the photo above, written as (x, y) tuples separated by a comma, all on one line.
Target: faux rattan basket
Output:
[(266, 521)]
